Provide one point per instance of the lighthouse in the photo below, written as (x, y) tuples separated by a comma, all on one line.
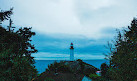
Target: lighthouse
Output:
[(71, 52)]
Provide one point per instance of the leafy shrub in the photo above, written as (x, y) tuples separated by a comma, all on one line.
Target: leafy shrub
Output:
[(89, 71), (94, 76), (64, 68), (61, 67), (48, 79)]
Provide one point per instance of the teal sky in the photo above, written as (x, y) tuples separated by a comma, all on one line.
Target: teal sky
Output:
[(89, 24)]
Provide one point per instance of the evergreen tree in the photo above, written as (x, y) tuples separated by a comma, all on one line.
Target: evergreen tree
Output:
[(16, 62), (124, 55), (5, 14)]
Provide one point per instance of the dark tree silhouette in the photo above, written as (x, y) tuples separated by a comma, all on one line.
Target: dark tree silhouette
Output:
[(16, 62), (104, 68), (124, 55), (5, 14)]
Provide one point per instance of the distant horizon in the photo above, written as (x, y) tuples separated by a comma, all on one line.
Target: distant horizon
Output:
[(74, 60), (64, 56)]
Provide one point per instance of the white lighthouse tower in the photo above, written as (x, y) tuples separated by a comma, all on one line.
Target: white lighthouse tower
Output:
[(71, 52)]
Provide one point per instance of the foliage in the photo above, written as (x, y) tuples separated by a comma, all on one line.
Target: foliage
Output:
[(16, 62), (88, 71), (61, 67), (123, 61), (76, 67), (81, 65), (48, 79), (104, 67), (5, 14), (94, 77), (64, 68), (67, 70)]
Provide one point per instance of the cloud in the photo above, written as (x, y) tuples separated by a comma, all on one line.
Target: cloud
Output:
[(89, 24), (76, 17), (95, 4)]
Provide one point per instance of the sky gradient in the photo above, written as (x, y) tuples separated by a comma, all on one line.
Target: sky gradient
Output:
[(89, 24)]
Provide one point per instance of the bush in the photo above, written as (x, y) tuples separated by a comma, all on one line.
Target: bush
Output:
[(89, 71), (48, 79), (60, 67), (94, 76)]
